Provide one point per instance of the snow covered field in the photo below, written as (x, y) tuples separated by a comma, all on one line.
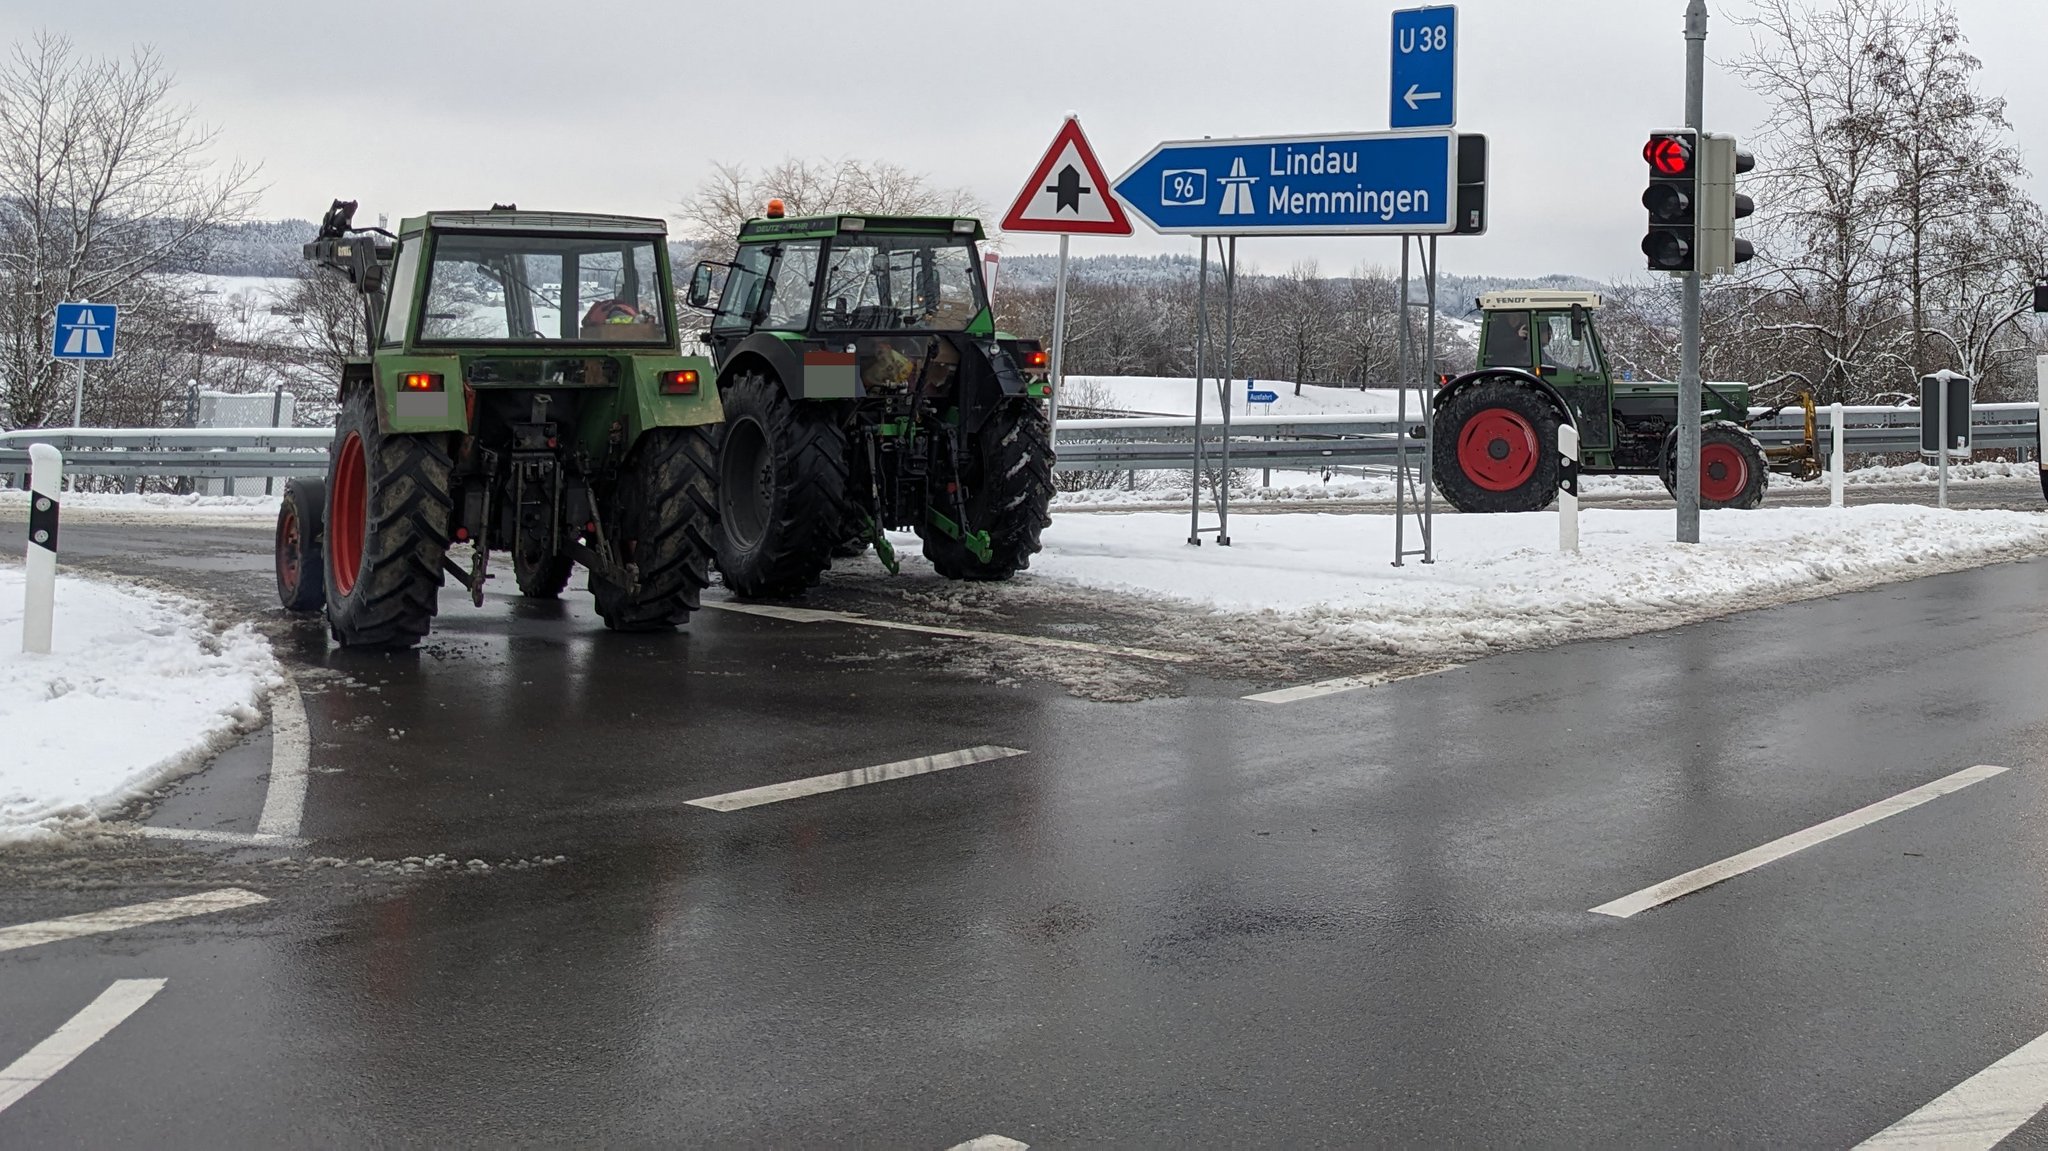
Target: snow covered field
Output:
[(1499, 582), (138, 690)]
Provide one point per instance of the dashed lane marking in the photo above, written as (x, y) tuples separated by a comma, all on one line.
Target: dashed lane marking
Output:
[(812, 615), (230, 838), (81, 1031), (1755, 857), (1981, 1110), (284, 800), (1339, 685), (858, 777), (123, 918)]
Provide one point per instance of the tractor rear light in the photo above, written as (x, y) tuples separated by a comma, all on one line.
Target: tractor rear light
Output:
[(420, 382), (683, 383), (462, 535), (1036, 360)]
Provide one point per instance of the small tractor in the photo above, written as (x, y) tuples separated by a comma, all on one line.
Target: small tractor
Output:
[(525, 392), (865, 387), (1541, 367)]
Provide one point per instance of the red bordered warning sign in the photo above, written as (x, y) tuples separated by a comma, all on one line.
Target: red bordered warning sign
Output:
[(1067, 193)]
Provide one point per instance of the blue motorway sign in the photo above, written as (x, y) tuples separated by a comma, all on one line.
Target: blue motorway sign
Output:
[(84, 332), (1368, 183), (1261, 397), (1425, 67)]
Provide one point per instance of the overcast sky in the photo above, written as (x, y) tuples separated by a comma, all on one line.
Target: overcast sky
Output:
[(424, 104)]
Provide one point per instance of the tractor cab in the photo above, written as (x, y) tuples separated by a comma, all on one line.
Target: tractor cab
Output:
[(1551, 335)]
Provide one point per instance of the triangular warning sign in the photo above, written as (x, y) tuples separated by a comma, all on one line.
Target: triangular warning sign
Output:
[(1068, 193)]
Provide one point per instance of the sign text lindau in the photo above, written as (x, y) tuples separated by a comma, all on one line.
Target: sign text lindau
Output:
[(1387, 204)]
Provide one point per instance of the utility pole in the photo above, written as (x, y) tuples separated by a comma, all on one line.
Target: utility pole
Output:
[(1689, 364)]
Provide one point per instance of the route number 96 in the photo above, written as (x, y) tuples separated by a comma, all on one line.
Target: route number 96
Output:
[(1184, 187)]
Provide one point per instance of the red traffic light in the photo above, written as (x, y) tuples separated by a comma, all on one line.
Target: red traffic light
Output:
[(1669, 155)]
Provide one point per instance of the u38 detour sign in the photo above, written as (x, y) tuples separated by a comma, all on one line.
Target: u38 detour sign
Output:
[(1376, 183)]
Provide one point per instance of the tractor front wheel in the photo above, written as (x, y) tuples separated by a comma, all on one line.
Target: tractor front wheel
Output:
[(301, 580), (782, 489), (389, 507), (1495, 448), (1008, 473), (1733, 470), (661, 524)]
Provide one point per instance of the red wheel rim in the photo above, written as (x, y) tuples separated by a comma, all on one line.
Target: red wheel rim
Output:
[(347, 516), (288, 549), (1724, 474), (1497, 449)]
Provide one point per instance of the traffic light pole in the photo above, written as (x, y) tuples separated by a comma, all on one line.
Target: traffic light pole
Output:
[(1689, 364)]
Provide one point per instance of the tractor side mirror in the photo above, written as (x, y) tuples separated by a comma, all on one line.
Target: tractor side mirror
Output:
[(1578, 324), (699, 295)]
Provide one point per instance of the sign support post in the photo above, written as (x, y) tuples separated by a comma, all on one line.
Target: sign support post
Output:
[(1689, 364), (1059, 349)]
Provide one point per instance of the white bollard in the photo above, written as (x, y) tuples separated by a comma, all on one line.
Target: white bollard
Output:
[(1838, 464), (1568, 490), (47, 472)]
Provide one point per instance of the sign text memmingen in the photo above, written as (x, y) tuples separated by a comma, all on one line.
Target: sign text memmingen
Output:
[(1373, 183)]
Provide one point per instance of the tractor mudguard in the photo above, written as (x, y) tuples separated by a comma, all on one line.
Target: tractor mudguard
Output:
[(772, 354), (1527, 379), (644, 405), (436, 409)]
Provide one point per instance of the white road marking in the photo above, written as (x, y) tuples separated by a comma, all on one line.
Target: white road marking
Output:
[(1341, 684), (991, 1143), (1979, 1111), (81, 1031), (284, 801), (810, 615), (235, 838), (1778, 849), (841, 780), (123, 918)]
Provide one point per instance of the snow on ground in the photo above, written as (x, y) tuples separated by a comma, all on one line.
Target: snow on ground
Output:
[(1175, 396), (139, 689), (1499, 582)]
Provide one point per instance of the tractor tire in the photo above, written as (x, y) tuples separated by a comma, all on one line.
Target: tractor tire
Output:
[(301, 572), (389, 507), (1009, 485), (1734, 472), (662, 521), (782, 489), (539, 576), (1495, 449)]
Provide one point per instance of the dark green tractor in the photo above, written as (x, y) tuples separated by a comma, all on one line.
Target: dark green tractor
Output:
[(524, 392), (1541, 367), (865, 388)]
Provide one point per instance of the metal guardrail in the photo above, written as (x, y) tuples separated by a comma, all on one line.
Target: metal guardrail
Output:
[(1121, 444)]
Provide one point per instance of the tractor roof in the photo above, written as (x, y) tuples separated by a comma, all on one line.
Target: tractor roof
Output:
[(1537, 301), (579, 223), (808, 227)]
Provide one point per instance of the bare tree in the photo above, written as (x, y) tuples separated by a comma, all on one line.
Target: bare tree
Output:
[(732, 195), (105, 183)]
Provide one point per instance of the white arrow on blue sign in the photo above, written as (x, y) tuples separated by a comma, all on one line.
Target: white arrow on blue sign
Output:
[(1425, 68), (85, 331), (1362, 184)]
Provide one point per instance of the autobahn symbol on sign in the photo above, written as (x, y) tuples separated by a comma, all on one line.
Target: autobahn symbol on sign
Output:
[(1373, 183), (1425, 68), (84, 332)]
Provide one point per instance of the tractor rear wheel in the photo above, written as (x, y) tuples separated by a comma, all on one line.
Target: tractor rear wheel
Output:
[(1009, 489), (661, 522), (1496, 448), (1733, 470), (301, 578), (389, 507), (539, 576), (782, 489)]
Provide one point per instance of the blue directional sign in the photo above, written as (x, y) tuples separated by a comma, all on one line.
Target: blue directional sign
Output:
[(1261, 397), (1371, 183), (1426, 67), (85, 331)]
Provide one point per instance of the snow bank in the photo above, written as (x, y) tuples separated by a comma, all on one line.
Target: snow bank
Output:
[(115, 507), (1499, 582), (139, 690)]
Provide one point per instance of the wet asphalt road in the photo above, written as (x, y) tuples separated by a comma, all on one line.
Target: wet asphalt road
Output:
[(1354, 920)]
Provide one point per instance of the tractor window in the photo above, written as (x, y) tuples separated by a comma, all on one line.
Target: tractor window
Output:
[(1507, 340), (398, 294), (1561, 351), (791, 288), (896, 283), (525, 289), (743, 284)]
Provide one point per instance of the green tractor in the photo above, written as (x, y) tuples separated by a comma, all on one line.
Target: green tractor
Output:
[(1541, 367), (865, 387), (525, 392)]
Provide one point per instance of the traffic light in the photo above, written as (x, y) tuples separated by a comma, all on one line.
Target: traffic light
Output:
[(1673, 199), (1721, 205), (1471, 186)]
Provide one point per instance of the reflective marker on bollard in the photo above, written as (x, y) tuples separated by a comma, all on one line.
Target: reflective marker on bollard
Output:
[(47, 471)]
